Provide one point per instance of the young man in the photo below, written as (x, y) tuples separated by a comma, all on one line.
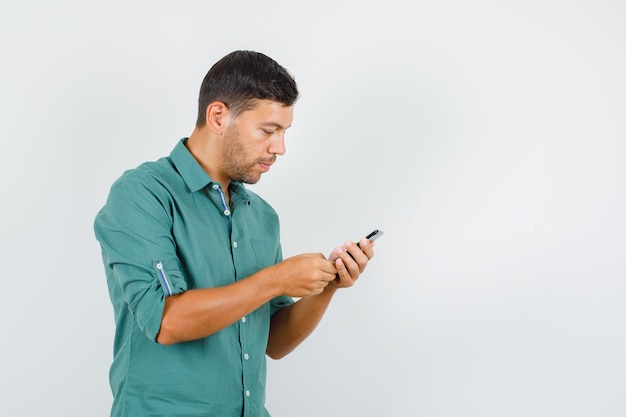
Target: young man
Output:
[(194, 264)]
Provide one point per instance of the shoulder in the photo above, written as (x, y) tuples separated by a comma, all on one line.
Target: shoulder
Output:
[(149, 176), (148, 185), (148, 172)]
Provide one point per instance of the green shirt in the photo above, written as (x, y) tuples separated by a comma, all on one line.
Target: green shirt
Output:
[(165, 229)]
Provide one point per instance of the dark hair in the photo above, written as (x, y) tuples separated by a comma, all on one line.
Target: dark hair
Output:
[(242, 77)]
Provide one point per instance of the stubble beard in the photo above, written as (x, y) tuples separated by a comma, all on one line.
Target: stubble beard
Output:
[(235, 159)]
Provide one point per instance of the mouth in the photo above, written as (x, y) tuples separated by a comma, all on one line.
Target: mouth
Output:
[(265, 165)]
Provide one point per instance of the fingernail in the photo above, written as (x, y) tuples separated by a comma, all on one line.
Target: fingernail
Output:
[(338, 250), (348, 243), (363, 241)]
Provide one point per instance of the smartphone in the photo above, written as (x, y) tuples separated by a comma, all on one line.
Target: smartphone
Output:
[(371, 237)]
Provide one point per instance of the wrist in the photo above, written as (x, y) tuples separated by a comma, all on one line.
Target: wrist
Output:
[(332, 287), (272, 276), (269, 279)]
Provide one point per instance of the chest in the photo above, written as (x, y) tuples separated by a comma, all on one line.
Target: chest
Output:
[(219, 244)]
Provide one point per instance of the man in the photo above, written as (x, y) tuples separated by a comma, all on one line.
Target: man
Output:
[(194, 264)]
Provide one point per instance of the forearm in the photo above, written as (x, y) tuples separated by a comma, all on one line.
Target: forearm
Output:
[(293, 324), (199, 313)]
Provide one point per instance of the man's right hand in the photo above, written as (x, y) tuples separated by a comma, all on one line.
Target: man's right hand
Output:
[(304, 275)]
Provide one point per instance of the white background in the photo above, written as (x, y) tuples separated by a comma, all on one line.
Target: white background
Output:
[(486, 138)]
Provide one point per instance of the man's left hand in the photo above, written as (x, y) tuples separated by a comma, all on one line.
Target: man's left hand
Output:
[(351, 260)]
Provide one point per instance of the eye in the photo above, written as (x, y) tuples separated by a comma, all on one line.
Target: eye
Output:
[(268, 132)]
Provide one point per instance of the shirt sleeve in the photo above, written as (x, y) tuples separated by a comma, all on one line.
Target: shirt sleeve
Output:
[(138, 249)]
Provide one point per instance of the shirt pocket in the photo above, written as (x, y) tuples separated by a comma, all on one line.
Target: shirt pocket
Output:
[(265, 252)]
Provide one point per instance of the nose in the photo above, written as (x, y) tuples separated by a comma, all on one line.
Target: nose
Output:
[(277, 145)]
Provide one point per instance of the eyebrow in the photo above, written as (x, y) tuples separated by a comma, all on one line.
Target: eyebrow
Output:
[(275, 124)]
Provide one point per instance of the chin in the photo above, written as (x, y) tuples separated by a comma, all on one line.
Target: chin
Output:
[(250, 180)]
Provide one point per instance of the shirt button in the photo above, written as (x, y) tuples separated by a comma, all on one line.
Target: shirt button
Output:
[(247, 393), (243, 319), (234, 244), (246, 356), (215, 186), (226, 212)]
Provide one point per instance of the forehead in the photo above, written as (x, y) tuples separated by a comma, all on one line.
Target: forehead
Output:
[(268, 112)]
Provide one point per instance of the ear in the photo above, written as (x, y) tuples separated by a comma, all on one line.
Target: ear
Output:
[(216, 115)]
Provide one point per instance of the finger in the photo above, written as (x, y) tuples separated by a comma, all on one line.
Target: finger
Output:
[(349, 265), (328, 269), (343, 275), (359, 258), (348, 260), (367, 247)]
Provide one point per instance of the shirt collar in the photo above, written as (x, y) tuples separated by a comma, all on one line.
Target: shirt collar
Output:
[(195, 176)]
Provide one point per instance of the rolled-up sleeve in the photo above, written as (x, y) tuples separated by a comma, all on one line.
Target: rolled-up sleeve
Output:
[(139, 252)]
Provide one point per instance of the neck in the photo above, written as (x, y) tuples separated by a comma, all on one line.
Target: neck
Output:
[(204, 148)]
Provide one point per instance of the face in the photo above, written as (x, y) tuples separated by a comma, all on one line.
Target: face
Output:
[(253, 139)]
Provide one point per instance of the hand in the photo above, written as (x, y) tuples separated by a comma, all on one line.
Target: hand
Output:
[(304, 275), (350, 261)]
